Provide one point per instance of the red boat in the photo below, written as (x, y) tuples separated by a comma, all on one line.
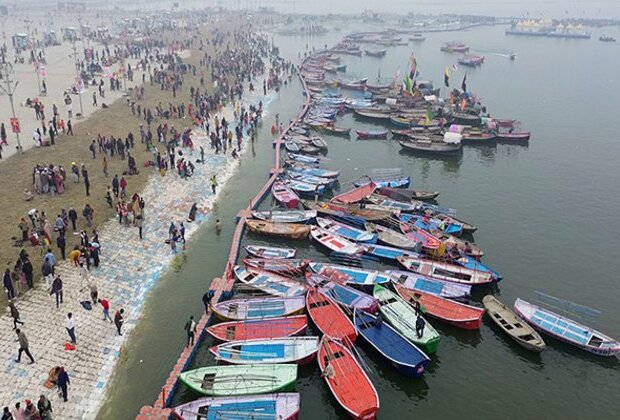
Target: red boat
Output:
[(329, 318), (347, 380), (429, 242), (455, 313), (521, 136), (376, 134), (356, 194), (285, 195), (260, 328)]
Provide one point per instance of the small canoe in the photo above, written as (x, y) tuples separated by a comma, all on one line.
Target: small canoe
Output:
[(567, 330), (429, 285), (346, 231), (291, 146), (392, 237), (283, 406), (284, 230), (395, 206), (430, 147), (300, 350), (400, 352), (270, 252), (343, 274), (235, 380), (342, 294), (518, 329), (372, 134), (404, 319), (269, 283), (428, 241), (285, 216), (284, 195), (445, 271), (387, 252), (336, 131), (309, 179), (319, 142), (431, 224), (347, 380), (334, 242), (291, 266), (375, 53), (261, 328), (452, 312), (355, 195), (258, 308), (328, 317)]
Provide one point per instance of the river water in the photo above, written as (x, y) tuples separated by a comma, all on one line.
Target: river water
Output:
[(547, 218)]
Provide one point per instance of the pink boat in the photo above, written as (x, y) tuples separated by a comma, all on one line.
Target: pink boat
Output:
[(284, 195)]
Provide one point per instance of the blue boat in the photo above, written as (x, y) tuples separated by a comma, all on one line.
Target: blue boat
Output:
[(344, 274), (430, 224), (437, 287), (342, 294), (310, 179), (400, 352), (473, 264), (319, 172), (387, 252), (303, 158), (346, 231), (304, 188), (401, 182)]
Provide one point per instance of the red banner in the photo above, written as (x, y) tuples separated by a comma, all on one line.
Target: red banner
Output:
[(15, 126)]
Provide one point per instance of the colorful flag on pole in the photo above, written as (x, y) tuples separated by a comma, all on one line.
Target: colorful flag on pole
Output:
[(464, 85), (455, 67), (446, 78)]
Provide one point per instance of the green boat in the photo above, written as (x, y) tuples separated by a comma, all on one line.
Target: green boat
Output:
[(402, 317), (226, 381)]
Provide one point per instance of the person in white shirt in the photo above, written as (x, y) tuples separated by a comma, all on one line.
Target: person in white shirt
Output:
[(36, 137), (70, 326)]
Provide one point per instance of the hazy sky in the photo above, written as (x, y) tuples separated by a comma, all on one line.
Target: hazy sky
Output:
[(535, 8)]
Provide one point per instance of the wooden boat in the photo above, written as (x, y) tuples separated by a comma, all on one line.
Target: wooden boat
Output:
[(299, 350), (268, 282), (400, 206), (284, 195), (343, 274), (400, 352), (303, 158), (309, 149), (404, 195), (283, 406), (473, 264), (319, 143), (432, 225), (346, 231), (513, 136), (270, 252), (235, 380), (392, 237), (372, 134), (462, 118), (462, 246), (260, 328), (283, 230), (428, 241), (291, 266), (343, 294), (258, 308), (285, 216), (336, 131), (515, 327), (567, 330), (352, 210), (452, 312), (403, 318), (375, 115), (375, 53), (388, 252), (334, 242), (291, 146), (445, 271), (477, 136), (430, 285), (328, 317), (430, 147), (355, 195), (347, 380)]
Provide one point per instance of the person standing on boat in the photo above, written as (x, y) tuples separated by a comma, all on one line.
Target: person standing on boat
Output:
[(419, 326), (190, 328)]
